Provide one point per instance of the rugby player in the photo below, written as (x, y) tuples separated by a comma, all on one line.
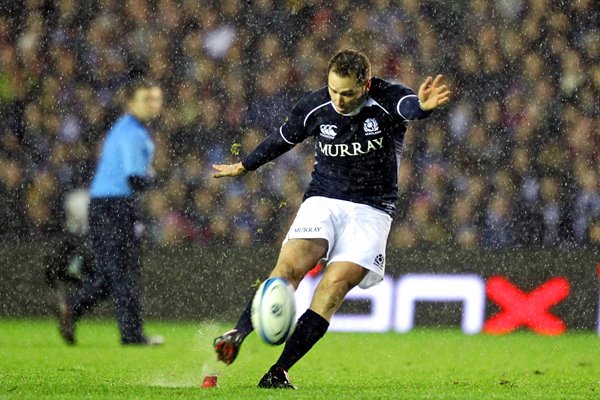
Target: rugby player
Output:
[(358, 124)]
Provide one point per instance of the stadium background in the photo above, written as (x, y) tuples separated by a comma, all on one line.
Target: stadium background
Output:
[(512, 163)]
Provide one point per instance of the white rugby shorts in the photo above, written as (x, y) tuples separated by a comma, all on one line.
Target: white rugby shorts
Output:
[(355, 232)]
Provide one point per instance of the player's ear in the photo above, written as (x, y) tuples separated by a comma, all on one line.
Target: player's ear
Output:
[(368, 85)]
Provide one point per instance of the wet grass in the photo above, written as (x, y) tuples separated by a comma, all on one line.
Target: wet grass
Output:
[(424, 364)]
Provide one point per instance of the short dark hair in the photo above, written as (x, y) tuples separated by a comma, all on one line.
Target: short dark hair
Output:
[(350, 62), (136, 84)]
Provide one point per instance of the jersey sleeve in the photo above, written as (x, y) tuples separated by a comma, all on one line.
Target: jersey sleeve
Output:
[(288, 135), (400, 100), (269, 149), (293, 130), (134, 157)]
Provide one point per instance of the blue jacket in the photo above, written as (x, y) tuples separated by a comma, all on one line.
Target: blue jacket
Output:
[(127, 151)]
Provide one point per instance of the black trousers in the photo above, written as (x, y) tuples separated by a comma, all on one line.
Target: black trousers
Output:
[(116, 255)]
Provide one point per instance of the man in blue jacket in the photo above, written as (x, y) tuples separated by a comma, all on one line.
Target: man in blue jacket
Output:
[(124, 170)]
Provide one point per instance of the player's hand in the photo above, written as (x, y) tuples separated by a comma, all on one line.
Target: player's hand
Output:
[(433, 93), (229, 170)]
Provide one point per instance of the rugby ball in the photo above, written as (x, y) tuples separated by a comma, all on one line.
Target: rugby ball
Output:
[(274, 311)]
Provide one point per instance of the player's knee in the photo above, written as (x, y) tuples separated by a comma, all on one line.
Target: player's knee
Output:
[(331, 293), (339, 284), (288, 271)]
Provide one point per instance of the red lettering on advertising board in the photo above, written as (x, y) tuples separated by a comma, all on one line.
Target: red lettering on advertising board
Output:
[(526, 309)]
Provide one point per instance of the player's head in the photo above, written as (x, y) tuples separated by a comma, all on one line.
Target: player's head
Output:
[(348, 79), (155, 100), (144, 99)]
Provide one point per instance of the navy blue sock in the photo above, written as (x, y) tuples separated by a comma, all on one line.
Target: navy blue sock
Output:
[(310, 328), (244, 324)]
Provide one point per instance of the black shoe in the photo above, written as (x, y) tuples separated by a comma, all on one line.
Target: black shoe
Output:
[(276, 378), (66, 326), (147, 341), (227, 346)]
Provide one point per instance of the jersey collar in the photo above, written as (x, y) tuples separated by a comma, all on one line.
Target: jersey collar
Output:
[(137, 120), (353, 112)]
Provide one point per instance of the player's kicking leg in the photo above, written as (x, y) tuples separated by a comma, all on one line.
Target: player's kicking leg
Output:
[(297, 257), (338, 280)]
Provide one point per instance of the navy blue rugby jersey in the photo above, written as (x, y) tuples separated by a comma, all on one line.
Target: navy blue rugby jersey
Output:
[(356, 154)]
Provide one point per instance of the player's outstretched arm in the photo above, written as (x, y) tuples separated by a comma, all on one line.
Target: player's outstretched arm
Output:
[(229, 170), (269, 149), (433, 93)]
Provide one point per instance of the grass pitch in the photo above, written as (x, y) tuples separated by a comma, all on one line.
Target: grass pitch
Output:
[(424, 364)]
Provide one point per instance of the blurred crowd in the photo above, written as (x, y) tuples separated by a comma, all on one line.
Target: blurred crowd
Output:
[(514, 160)]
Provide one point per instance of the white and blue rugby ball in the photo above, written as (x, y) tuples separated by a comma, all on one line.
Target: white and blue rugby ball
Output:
[(274, 311)]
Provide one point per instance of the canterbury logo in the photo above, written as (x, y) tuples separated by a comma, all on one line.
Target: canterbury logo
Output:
[(328, 132)]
